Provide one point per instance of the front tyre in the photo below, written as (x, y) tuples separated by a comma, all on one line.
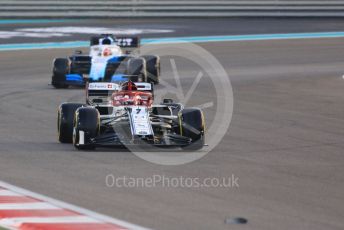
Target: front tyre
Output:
[(65, 117), (60, 69), (192, 125), (153, 68), (137, 69), (86, 127)]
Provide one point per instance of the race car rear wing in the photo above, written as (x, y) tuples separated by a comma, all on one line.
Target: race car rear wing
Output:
[(143, 86), (127, 43), (100, 86), (100, 92)]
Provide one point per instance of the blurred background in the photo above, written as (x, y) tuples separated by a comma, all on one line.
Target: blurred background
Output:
[(167, 8)]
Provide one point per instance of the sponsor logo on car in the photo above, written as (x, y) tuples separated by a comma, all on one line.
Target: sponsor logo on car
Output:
[(103, 86)]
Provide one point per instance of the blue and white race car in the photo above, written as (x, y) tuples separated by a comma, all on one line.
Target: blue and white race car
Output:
[(110, 60)]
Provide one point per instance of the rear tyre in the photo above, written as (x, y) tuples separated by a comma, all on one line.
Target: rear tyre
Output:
[(137, 69), (65, 117), (94, 40), (153, 68), (86, 121), (60, 69), (192, 125)]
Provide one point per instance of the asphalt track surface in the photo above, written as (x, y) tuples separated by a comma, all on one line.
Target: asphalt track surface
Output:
[(285, 143)]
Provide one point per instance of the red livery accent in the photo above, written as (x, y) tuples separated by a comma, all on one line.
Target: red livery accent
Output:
[(70, 227), (16, 199), (36, 213)]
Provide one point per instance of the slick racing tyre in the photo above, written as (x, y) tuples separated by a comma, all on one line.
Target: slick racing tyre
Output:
[(86, 127), (60, 69), (65, 119), (137, 69), (94, 41), (153, 68), (192, 125)]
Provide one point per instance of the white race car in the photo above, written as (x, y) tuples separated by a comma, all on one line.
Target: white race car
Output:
[(124, 114), (110, 60)]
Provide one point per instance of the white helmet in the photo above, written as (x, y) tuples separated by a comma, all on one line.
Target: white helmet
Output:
[(112, 50)]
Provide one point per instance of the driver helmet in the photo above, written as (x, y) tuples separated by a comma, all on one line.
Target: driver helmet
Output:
[(107, 52), (129, 86)]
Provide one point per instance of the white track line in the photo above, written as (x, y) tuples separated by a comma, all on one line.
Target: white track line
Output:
[(8, 193), (28, 206), (45, 220), (59, 204)]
